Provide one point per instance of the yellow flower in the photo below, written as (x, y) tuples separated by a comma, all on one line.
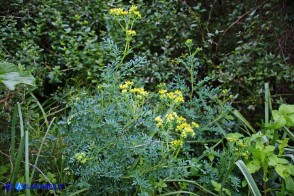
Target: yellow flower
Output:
[(177, 144), (139, 91), (137, 13), (117, 12), (134, 10), (158, 121), (195, 125), (162, 91), (169, 117), (126, 85), (185, 130), (131, 32), (181, 120), (175, 96), (81, 157)]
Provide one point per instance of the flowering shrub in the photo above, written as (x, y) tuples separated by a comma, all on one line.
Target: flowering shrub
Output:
[(125, 139)]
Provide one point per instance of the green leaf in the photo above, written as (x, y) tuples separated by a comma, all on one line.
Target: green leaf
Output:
[(272, 161), (259, 154), (275, 160), (233, 137), (216, 185), (7, 67), (286, 109), (227, 192), (269, 150), (290, 120), (280, 169), (253, 166), (289, 183), (10, 76), (283, 144), (281, 161), (248, 178), (279, 120), (244, 183)]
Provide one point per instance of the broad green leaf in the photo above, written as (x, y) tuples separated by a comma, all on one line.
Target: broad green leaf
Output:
[(286, 109), (291, 169), (10, 76), (259, 154), (289, 183), (269, 150), (290, 120), (281, 160), (279, 120), (253, 166), (248, 178), (7, 68), (272, 161), (280, 169)]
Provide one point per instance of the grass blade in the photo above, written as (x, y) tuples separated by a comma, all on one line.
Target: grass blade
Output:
[(248, 178), (27, 167), (202, 188), (18, 160), (42, 110), (40, 149), (241, 117), (12, 147)]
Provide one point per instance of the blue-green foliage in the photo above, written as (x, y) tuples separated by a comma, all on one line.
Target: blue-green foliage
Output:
[(124, 151)]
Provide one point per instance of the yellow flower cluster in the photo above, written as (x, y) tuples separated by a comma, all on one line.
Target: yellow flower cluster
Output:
[(171, 116), (127, 86), (131, 32), (117, 12), (139, 91), (158, 121), (124, 87), (177, 144), (133, 11), (176, 96), (181, 124), (81, 157), (195, 125), (186, 130)]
